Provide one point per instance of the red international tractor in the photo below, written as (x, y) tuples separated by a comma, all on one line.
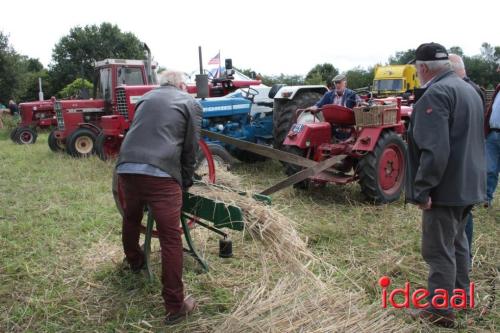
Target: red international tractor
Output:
[(368, 140), (78, 121), (37, 114)]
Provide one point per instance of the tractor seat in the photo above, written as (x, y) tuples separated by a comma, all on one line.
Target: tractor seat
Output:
[(338, 115)]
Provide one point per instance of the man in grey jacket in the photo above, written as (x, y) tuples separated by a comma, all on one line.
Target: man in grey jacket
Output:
[(156, 162), (446, 172)]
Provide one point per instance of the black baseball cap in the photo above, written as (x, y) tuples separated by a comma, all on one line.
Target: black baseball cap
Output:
[(429, 52)]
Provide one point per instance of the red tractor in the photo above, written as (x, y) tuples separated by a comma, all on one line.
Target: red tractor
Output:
[(36, 114), (369, 138), (78, 121)]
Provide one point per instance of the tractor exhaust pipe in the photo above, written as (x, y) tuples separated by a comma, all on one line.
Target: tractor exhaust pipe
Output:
[(149, 68), (40, 93), (201, 79)]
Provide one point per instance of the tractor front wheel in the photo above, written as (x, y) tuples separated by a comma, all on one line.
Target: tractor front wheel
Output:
[(25, 136), (55, 144), (107, 147), (382, 171), (291, 169), (81, 143)]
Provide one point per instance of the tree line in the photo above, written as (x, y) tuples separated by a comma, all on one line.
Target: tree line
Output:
[(74, 55)]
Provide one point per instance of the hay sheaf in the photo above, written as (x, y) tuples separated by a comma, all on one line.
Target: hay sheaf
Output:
[(300, 300)]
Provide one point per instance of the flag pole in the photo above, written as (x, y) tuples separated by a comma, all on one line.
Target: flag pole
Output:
[(220, 72)]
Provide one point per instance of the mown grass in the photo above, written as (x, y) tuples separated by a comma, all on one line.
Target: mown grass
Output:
[(60, 248)]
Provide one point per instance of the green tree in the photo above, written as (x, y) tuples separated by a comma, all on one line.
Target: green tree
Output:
[(321, 74), (456, 50), (359, 77), (402, 57), (74, 55), (75, 88)]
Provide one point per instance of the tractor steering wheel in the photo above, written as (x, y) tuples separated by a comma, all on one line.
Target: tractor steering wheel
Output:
[(249, 93)]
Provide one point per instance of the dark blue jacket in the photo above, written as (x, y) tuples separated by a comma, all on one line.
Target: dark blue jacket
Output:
[(349, 99)]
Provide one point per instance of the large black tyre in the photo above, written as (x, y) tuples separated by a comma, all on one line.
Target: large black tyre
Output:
[(291, 169), (81, 143), (248, 157), (284, 112), (55, 144), (382, 171), (13, 134), (25, 136), (222, 160)]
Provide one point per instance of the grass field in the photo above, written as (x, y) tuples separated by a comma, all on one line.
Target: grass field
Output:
[(61, 259)]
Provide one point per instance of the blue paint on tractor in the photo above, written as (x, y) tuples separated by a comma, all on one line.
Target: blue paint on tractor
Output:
[(231, 116)]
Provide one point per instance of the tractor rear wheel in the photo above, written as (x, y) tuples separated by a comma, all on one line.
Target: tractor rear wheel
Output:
[(25, 136), (284, 113), (55, 144), (107, 147), (81, 143), (382, 171), (291, 169)]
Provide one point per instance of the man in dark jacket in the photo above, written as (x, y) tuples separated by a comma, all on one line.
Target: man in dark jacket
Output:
[(446, 172), (458, 66), (156, 162)]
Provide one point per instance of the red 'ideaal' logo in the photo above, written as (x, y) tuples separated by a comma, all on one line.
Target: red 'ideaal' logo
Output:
[(418, 298)]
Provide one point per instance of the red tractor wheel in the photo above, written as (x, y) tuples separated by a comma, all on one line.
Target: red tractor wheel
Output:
[(382, 171), (81, 143), (118, 194), (25, 136), (107, 147)]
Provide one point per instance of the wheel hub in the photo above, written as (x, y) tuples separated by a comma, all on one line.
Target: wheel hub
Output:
[(84, 145), (390, 173), (26, 137)]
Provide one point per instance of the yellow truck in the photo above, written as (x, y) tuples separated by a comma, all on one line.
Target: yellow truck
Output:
[(395, 80)]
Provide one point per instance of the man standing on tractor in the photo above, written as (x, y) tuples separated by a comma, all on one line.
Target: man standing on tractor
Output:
[(156, 162), (446, 174)]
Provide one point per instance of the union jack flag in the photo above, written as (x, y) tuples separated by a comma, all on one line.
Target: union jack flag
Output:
[(215, 60)]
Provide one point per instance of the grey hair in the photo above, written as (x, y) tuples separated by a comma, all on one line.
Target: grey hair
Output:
[(436, 65), (456, 61), (172, 77)]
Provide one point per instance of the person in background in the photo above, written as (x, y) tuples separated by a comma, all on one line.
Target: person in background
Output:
[(446, 173), (492, 132), (457, 64), (13, 108), (156, 163)]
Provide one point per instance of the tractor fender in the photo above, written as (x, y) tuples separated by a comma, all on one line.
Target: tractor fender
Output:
[(367, 139), (308, 135), (90, 126), (289, 92)]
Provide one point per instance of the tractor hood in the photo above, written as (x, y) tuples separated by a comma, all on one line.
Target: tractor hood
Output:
[(47, 105), (223, 107)]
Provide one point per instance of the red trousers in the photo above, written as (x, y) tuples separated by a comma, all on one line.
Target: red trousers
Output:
[(164, 198)]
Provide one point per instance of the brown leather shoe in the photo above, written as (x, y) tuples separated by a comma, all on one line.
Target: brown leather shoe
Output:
[(444, 320), (187, 307)]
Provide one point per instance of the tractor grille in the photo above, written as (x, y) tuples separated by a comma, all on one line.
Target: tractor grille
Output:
[(121, 102), (59, 116)]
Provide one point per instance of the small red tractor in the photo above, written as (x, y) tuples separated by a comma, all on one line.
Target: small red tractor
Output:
[(370, 139), (36, 114)]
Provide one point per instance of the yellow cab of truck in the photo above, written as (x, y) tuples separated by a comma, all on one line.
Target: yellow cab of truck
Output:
[(394, 80)]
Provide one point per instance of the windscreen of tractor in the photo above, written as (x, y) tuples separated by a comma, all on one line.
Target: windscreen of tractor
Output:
[(103, 86), (131, 76), (391, 85)]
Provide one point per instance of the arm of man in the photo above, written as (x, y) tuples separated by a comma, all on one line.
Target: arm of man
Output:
[(326, 99), (431, 135), (190, 146)]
